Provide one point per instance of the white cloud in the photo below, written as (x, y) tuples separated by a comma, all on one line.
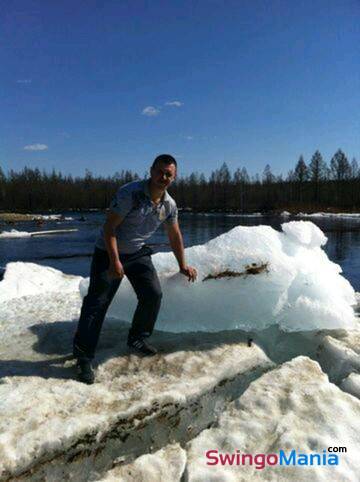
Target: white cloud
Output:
[(151, 111), (36, 147), (175, 103), (23, 81)]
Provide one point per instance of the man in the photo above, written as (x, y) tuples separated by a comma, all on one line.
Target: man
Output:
[(136, 211)]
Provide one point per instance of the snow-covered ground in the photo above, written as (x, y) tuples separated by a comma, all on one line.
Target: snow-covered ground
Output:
[(295, 387), (293, 407)]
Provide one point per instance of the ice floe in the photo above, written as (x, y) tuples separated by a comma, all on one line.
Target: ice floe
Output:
[(26, 234), (14, 233)]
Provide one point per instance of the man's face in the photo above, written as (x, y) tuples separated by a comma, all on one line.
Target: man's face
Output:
[(162, 175)]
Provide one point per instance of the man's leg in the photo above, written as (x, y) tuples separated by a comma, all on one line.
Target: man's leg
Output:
[(94, 307), (143, 278)]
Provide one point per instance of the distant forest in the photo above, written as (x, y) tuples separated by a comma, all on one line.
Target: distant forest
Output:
[(310, 186)]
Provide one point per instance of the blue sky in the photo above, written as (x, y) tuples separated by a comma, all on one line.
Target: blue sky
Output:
[(243, 82)]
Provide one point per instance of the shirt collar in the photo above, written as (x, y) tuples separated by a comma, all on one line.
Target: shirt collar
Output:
[(146, 186)]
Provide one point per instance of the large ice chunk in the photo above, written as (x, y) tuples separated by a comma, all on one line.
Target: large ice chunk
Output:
[(250, 278)]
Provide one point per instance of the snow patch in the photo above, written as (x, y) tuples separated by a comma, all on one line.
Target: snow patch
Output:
[(53, 217), (23, 279), (291, 407), (329, 215), (15, 234)]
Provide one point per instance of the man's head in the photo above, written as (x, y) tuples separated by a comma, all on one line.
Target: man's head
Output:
[(163, 171)]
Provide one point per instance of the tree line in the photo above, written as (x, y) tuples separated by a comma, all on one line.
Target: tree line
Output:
[(310, 186)]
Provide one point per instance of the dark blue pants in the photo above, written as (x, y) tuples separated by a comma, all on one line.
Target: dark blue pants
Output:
[(142, 275)]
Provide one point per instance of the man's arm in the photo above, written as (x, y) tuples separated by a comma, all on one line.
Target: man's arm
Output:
[(113, 220), (177, 245)]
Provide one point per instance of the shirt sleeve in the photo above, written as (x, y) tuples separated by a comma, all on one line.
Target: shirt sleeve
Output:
[(122, 202), (173, 216)]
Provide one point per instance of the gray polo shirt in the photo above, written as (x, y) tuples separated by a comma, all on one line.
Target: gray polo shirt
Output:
[(141, 217)]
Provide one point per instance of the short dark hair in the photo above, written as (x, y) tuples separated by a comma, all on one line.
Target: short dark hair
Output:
[(166, 159)]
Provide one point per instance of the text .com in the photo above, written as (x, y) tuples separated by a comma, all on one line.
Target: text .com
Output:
[(293, 457)]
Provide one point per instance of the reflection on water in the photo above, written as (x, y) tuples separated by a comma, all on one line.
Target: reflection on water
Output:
[(71, 252)]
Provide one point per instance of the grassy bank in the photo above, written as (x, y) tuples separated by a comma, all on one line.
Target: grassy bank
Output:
[(17, 217)]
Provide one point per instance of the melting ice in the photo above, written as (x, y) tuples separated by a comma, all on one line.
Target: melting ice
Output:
[(273, 277)]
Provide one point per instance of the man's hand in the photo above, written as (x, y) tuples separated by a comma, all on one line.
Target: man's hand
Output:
[(116, 270), (177, 245), (190, 272)]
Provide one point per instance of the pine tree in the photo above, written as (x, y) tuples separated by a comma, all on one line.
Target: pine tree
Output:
[(317, 168), (340, 167), (224, 178), (2, 188), (301, 170), (318, 172), (268, 176), (290, 176), (355, 173)]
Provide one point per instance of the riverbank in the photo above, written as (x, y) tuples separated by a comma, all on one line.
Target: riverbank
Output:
[(16, 217)]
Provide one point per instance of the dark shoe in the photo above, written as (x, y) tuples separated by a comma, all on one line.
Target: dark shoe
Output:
[(141, 346), (85, 372)]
